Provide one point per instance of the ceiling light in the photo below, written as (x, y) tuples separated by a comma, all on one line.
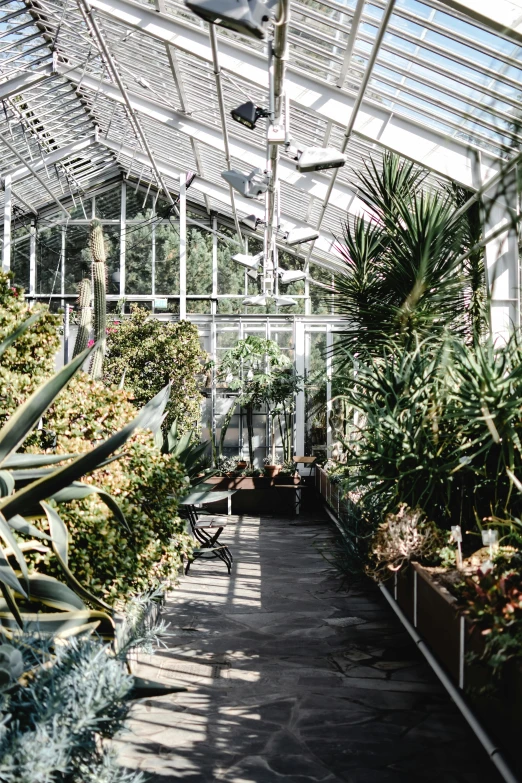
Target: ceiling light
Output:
[(248, 114), (252, 221), (316, 158), (251, 262), (297, 236), (260, 300), (291, 276), (284, 301), (250, 17), (250, 185)]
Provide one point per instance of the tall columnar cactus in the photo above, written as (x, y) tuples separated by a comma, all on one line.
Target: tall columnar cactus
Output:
[(84, 328), (99, 275)]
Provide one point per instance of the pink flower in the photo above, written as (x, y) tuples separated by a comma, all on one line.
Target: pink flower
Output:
[(90, 343)]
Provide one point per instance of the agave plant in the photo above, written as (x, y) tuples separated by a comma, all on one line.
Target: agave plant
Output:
[(24, 496)]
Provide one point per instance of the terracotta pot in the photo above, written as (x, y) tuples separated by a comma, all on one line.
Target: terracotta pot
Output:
[(241, 465), (272, 470)]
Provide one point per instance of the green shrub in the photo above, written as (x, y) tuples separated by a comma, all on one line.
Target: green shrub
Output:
[(151, 353), (31, 359), (146, 484)]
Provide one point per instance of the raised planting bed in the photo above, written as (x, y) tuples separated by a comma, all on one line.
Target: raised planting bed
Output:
[(257, 495), (451, 637)]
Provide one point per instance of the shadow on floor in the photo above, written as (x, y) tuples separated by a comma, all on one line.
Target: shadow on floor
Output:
[(293, 678)]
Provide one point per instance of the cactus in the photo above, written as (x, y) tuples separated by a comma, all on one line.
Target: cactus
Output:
[(99, 274), (84, 328)]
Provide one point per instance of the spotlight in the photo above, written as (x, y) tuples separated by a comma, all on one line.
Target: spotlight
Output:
[(252, 221), (250, 185), (284, 301), (260, 300), (291, 276), (248, 114), (316, 158), (251, 262), (297, 236), (250, 17)]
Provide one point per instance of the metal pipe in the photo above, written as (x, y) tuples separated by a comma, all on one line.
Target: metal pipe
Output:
[(34, 173), (88, 14), (354, 28), (487, 743), (355, 111), (277, 57), (222, 113)]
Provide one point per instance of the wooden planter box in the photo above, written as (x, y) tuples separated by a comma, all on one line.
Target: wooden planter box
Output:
[(433, 611), (257, 494)]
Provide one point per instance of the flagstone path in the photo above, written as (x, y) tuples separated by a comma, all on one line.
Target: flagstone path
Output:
[(293, 678)]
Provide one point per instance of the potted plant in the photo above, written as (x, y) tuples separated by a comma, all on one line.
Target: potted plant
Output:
[(272, 466), (241, 464)]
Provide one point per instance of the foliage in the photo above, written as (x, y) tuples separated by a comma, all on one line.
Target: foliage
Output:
[(192, 455), (261, 372), (149, 354), (403, 276), (439, 428), (24, 365), (493, 603), (145, 483), (404, 536)]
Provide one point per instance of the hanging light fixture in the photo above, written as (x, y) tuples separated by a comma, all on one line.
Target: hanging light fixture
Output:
[(291, 275), (251, 262)]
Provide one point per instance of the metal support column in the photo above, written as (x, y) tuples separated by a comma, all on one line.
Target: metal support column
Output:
[(329, 345), (32, 259), (8, 208), (214, 267), (123, 238), (300, 413), (182, 247)]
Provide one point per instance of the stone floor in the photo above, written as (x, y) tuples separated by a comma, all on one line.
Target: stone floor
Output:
[(293, 678)]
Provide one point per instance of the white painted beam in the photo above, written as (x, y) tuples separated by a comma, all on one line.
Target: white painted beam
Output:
[(435, 151), (220, 193), (22, 171), (23, 81), (183, 246), (254, 156), (502, 16), (6, 239)]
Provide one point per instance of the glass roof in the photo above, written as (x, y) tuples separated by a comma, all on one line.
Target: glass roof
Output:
[(135, 83)]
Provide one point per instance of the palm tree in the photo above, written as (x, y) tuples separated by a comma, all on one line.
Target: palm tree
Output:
[(403, 277)]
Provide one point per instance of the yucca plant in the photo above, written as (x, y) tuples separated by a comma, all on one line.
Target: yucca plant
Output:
[(403, 278)]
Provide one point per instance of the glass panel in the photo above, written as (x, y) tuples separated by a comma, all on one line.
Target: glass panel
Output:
[(77, 257), (231, 275), (138, 259), (167, 258), (315, 395), (139, 205), (199, 262), (199, 306), (321, 300), (107, 206), (48, 260), (20, 258), (112, 251)]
